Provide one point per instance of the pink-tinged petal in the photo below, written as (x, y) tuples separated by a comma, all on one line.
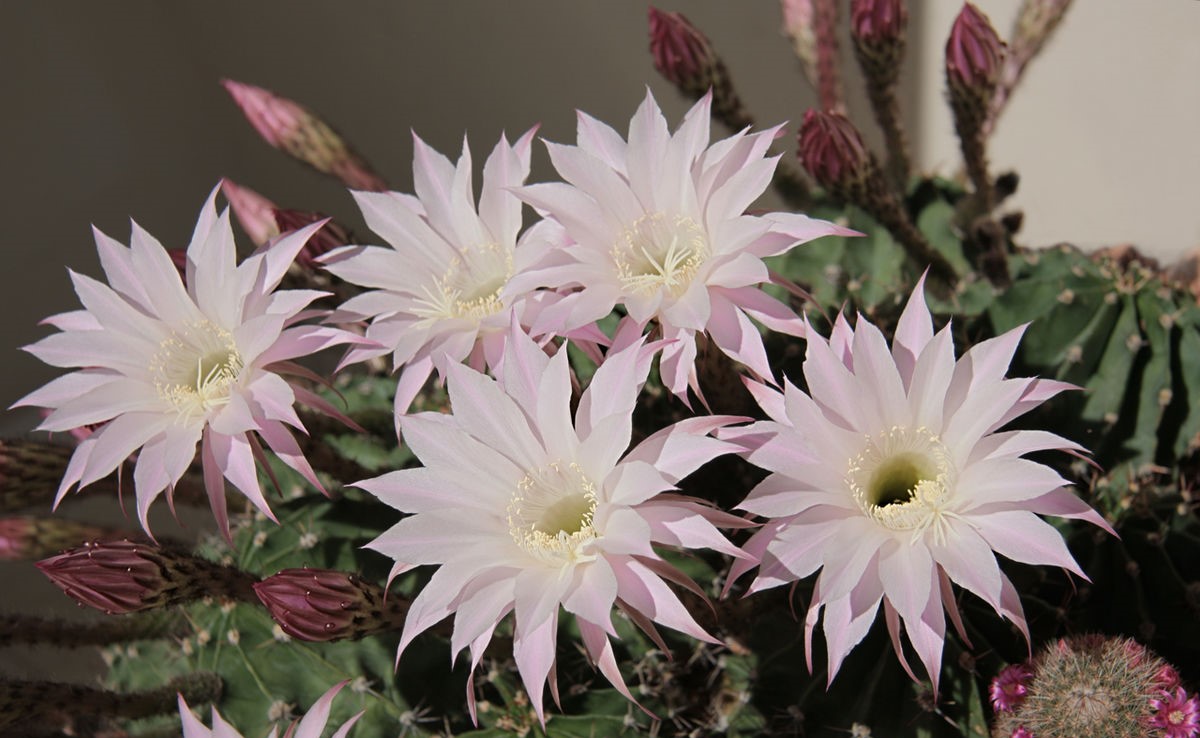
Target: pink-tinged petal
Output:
[(389, 215), (951, 606), (690, 311), (506, 167), (283, 445), (782, 496), (600, 140), (847, 622), (1019, 443), (117, 262), (525, 366), (600, 650), (1022, 536), (648, 136), (1038, 391), (877, 374), (92, 349), (599, 452), (433, 604), (533, 650), (433, 174), (435, 536), (1064, 504), (278, 256), (1005, 480), (584, 171), (102, 403), (192, 727), (683, 448), (423, 489), (117, 440), (792, 229), (733, 332), (1010, 608), (412, 378), (114, 313), (764, 309), (313, 722), (893, 626), (211, 257), (681, 524), (66, 388), (553, 409), (635, 481), (931, 376), (771, 400), (483, 410), (235, 459), (979, 414), (983, 364), (904, 572), (968, 560), (169, 300), (927, 636), (478, 613), (369, 266), (856, 540), (643, 591), (841, 394), (161, 463), (591, 595), (614, 387), (74, 320), (305, 340), (677, 366), (913, 332), (623, 531)]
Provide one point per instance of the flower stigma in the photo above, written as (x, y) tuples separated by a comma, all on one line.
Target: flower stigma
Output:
[(470, 287), (903, 480), (195, 368), (550, 513), (660, 251)]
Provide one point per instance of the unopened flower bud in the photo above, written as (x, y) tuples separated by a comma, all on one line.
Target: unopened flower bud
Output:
[(294, 129), (255, 213), (974, 52), (25, 538), (29, 473), (681, 52), (878, 23), (321, 605), (330, 236), (833, 152), (123, 577)]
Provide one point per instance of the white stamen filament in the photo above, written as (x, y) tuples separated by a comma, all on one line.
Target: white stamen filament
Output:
[(660, 251), (194, 369), (550, 513), (470, 287)]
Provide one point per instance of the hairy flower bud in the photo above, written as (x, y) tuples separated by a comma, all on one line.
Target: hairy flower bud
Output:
[(832, 151), (296, 130), (321, 605), (974, 52), (123, 577)]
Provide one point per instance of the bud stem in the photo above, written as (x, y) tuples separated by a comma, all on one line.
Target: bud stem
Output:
[(829, 79), (886, 105), (28, 629), (26, 704)]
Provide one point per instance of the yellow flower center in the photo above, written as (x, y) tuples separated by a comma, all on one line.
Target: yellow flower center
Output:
[(550, 513), (470, 287), (903, 480), (660, 251), (195, 368)]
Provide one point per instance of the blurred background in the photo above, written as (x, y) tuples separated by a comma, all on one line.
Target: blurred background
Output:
[(116, 111)]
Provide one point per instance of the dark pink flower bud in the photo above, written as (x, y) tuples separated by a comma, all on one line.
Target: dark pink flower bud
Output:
[(322, 605), (832, 150), (294, 129), (878, 22), (330, 236), (974, 51), (114, 577), (681, 52), (1166, 678), (123, 577), (254, 212), (1009, 688)]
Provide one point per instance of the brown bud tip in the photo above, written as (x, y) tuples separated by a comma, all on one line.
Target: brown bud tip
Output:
[(114, 576), (877, 22), (329, 237), (832, 150), (974, 51), (681, 52), (316, 604)]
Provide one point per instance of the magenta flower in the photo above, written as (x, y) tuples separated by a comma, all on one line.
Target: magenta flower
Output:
[(165, 367), (894, 480), (456, 273), (312, 725), (659, 225), (1008, 689), (1176, 714), (524, 510)]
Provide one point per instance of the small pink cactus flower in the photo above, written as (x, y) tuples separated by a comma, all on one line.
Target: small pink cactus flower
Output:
[(1023, 732), (168, 362), (894, 480), (527, 510), (312, 725), (1176, 715), (974, 51), (1009, 688), (659, 225)]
